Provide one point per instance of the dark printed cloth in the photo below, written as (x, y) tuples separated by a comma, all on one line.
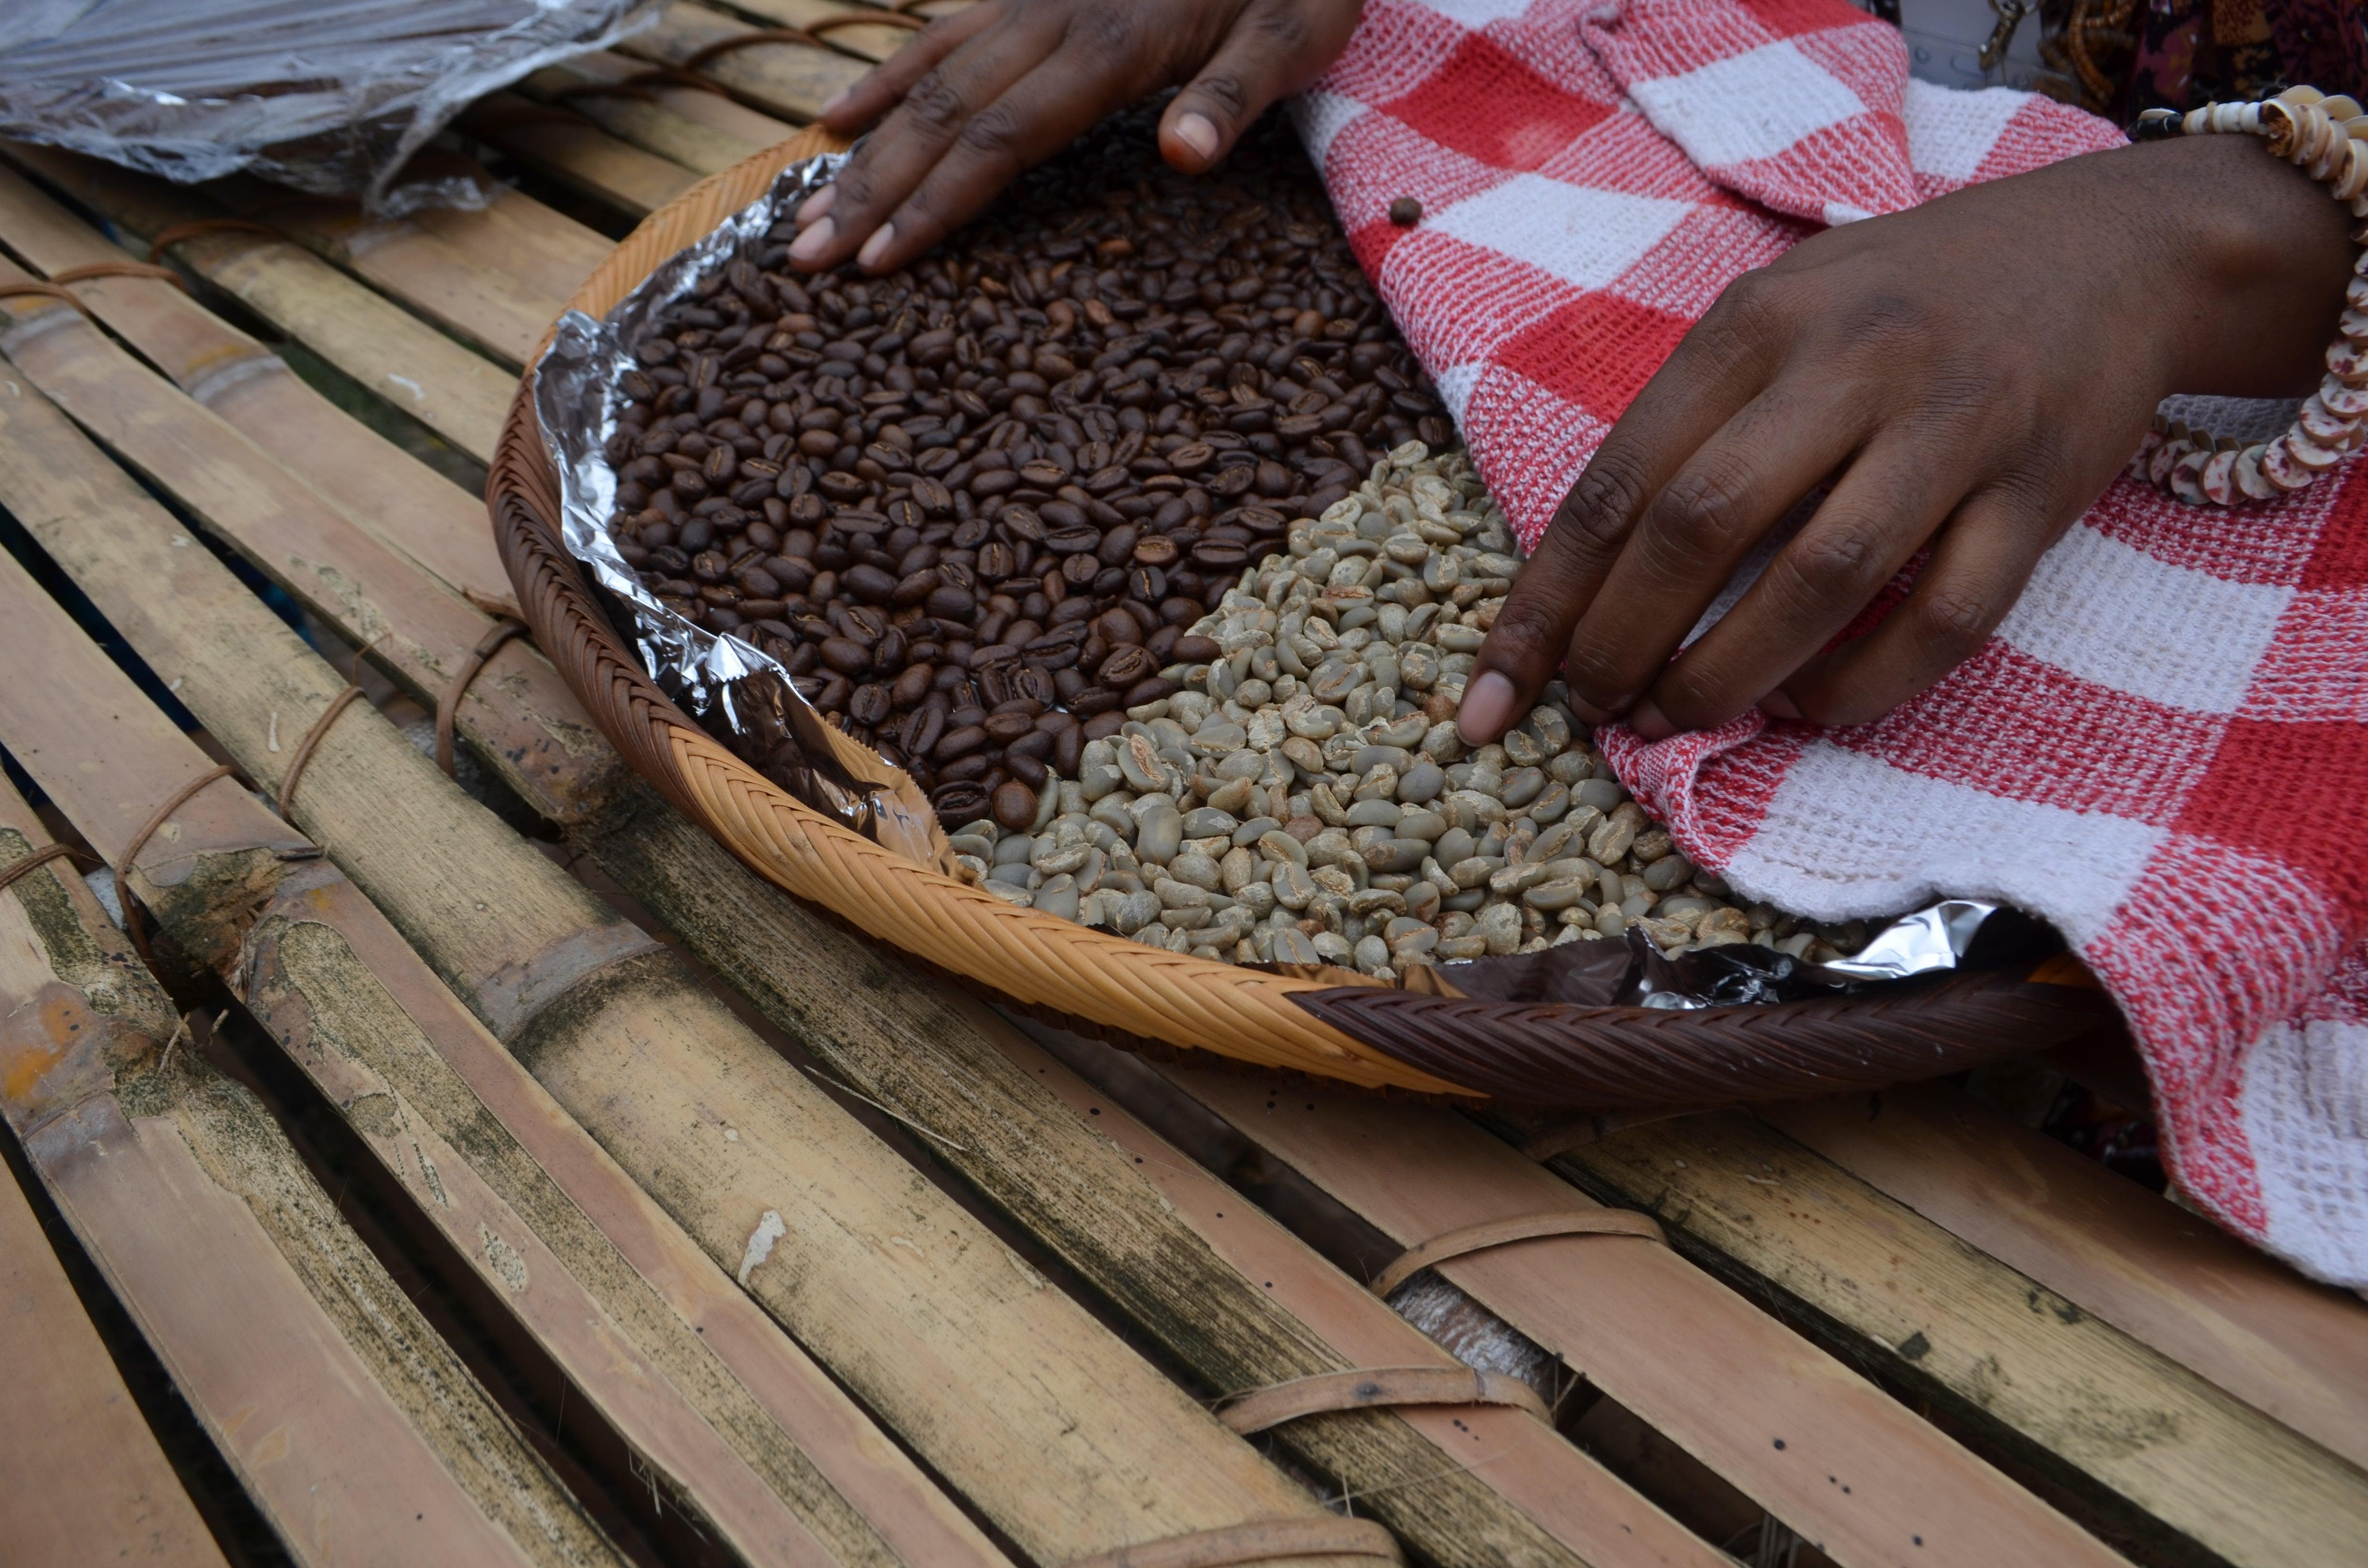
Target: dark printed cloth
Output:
[(2191, 53)]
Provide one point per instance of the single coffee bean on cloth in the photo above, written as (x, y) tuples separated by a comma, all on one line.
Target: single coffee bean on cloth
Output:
[(974, 506), (2163, 749)]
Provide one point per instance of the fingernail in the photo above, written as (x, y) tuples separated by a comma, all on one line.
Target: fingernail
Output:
[(877, 245), (1487, 709), (1198, 132), (836, 100), (1776, 705), (1649, 723), (810, 244), (817, 204)]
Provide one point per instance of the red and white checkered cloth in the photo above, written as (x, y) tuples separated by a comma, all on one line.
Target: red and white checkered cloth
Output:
[(2164, 749)]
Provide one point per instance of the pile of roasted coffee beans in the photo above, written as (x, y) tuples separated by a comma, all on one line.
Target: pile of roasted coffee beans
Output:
[(975, 506)]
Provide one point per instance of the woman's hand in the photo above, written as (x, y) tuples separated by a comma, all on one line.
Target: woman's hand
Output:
[(984, 94), (1966, 376)]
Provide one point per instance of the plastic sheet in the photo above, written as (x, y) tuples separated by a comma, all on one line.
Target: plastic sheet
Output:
[(330, 96)]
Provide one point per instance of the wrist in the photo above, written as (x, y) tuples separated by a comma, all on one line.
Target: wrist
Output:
[(2257, 257)]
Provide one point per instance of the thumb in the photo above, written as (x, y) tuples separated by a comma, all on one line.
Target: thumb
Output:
[(1268, 52)]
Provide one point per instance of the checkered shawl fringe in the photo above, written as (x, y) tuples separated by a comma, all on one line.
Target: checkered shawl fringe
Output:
[(2163, 750)]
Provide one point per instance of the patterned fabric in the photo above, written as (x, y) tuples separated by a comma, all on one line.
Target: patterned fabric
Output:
[(2191, 52), (2163, 750)]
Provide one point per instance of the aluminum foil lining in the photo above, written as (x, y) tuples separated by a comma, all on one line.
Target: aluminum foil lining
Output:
[(724, 680)]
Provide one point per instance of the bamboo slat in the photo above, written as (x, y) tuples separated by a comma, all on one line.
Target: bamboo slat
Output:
[(515, 1187), (577, 153), (797, 958), (791, 80), (943, 1331), (461, 395), (870, 41), (420, 631), (1785, 1422), (1225, 1289), (539, 246), (401, 501), (358, 1433), (493, 311), (86, 1482), (2125, 1423), (2292, 1348), (698, 129)]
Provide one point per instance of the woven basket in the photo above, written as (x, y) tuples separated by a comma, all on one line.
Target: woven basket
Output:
[(1144, 997)]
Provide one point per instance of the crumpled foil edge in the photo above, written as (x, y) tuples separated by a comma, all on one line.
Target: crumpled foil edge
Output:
[(720, 678)]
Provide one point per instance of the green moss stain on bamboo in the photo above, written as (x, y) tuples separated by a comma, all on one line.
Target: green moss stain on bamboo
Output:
[(236, 1143), (318, 995)]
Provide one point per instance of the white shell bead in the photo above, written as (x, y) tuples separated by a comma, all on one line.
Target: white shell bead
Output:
[(2352, 402), (2217, 480), (2341, 107), (2251, 483), (2164, 458), (2313, 457), (2186, 479), (2279, 469), (2323, 424)]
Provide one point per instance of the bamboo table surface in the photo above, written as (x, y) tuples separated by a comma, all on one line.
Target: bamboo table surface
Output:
[(502, 1154)]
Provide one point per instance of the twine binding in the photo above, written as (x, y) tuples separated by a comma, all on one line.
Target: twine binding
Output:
[(1374, 1388), (1266, 1541), (1520, 1228)]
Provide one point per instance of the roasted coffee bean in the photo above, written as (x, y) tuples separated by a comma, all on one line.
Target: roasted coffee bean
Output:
[(1024, 466), (1015, 805), (1125, 667)]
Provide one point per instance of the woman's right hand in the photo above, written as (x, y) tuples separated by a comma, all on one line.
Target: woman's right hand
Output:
[(984, 93)]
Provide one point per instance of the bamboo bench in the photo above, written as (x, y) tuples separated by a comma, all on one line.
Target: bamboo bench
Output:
[(501, 1160)]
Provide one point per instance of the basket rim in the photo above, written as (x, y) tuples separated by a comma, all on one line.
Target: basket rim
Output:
[(1109, 983)]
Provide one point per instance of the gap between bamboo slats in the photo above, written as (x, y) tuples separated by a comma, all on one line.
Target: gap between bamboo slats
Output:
[(871, 43), (791, 80), (361, 594), (567, 146), (405, 503), (358, 1432), (1736, 1389), (461, 395), (2290, 1346), (515, 1187), (698, 129), (539, 246), (2115, 1417), (492, 311), (87, 1480), (948, 1336)]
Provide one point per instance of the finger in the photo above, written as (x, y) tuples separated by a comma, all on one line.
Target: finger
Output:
[(1273, 51), (1040, 114), (1978, 570), (911, 141), (1696, 532), (887, 83), (1717, 368)]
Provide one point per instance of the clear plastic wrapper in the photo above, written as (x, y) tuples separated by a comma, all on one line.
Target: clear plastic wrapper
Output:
[(330, 97)]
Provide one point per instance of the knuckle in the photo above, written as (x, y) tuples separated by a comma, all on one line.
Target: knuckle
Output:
[(1694, 516), (1593, 671), (936, 105), (1844, 553), (1111, 32), (1594, 517), (1955, 621), (1223, 92), (992, 132), (1524, 628)]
